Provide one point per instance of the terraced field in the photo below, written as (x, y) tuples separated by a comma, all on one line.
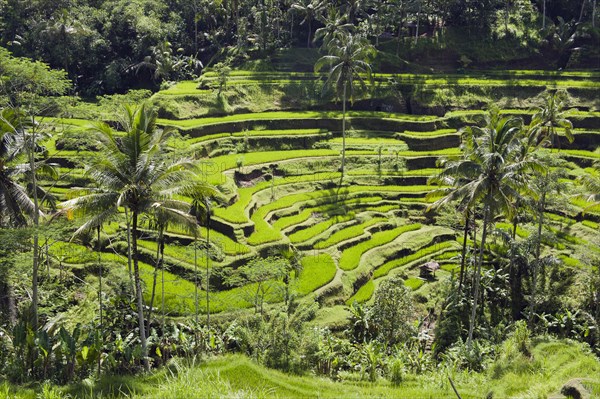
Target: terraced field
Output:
[(279, 173)]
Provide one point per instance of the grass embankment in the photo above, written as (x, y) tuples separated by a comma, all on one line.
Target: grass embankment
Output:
[(551, 365)]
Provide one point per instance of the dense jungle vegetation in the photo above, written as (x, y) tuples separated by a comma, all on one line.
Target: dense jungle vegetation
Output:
[(384, 198)]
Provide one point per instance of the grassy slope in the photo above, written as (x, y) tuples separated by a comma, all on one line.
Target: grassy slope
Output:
[(553, 363)]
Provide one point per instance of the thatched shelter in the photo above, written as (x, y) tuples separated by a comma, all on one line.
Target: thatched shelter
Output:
[(427, 270)]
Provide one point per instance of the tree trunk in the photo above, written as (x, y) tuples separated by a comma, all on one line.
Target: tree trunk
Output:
[(581, 12), (464, 251), (138, 288), (36, 222), (99, 288), (506, 17), (128, 224), (154, 280), (162, 281), (486, 217), (12, 307), (196, 279), (344, 130), (208, 269), (538, 247), (309, 32), (418, 20), (399, 38), (544, 15)]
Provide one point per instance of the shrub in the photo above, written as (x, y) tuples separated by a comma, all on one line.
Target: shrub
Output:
[(393, 311), (396, 371)]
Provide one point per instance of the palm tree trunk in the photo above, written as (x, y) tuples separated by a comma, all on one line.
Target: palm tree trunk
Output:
[(138, 289), (128, 224), (309, 32), (208, 270), (544, 15), (154, 280), (418, 20), (581, 12), (36, 222), (99, 287), (486, 217), (162, 281), (464, 251), (196, 279), (506, 18), (538, 246), (344, 131)]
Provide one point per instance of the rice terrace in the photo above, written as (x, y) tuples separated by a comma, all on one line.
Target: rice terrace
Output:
[(298, 199)]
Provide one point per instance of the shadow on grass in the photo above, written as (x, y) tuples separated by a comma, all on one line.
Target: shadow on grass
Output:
[(109, 386)]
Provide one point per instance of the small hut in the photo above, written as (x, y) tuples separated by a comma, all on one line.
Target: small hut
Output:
[(427, 270)]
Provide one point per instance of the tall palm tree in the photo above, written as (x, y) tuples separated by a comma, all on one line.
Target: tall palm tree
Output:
[(334, 27), (347, 62), (132, 172), (15, 204), (490, 173), (591, 182), (311, 10), (550, 117), (20, 134), (499, 168), (202, 196), (163, 214)]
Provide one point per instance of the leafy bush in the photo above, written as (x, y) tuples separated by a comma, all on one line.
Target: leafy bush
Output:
[(393, 312)]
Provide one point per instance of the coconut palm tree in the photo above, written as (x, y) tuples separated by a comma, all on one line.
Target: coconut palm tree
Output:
[(202, 196), (132, 172), (550, 117), (499, 169), (20, 134), (164, 214), (15, 204), (591, 182), (348, 63), (489, 174), (311, 10), (334, 27)]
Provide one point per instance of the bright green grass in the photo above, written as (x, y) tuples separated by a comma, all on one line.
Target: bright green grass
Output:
[(434, 133), (414, 283), (509, 227), (287, 132), (347, 233), (582, 153), (263, 231), (364, 293), (552, 364), (421, 253), (590, 224), (314, 230), (191, 123), (374, 141), (317, 271), (212, 169), (306, 210), (350, 258), (570, 262), (444, 152), (184, 88), (226, 244), (236, 213)]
